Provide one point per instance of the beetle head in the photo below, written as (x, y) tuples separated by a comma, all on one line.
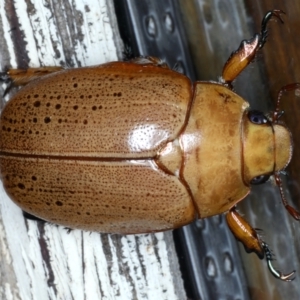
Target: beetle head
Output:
[(276, 139), (267, 147)]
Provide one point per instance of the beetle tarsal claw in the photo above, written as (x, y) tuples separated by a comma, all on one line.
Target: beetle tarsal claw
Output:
[(264, 31), (279, 275)]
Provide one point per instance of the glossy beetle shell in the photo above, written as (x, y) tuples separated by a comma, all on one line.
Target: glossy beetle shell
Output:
[(124, 148)]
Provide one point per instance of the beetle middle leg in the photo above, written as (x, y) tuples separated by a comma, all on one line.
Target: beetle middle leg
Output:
[(248, 236), (142, 60), (247, 50)]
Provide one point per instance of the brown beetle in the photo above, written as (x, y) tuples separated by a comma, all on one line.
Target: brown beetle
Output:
[(133, 147)]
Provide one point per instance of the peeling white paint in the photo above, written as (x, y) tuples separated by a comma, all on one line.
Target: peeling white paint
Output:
[(6, 36)]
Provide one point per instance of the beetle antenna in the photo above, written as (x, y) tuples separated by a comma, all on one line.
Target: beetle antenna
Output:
[(287, 88), (274, 272), (293, 212)]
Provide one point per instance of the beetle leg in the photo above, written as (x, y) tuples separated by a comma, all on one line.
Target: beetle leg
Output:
[(19, 77), (247, 50), (249, 238), (142, 60), (277, 114), (274, 272), (244, 233)]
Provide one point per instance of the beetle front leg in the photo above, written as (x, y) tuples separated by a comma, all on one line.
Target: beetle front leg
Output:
[(247, 50), (244, 233), (248, 236)]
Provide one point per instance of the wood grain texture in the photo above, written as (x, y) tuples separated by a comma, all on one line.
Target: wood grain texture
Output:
[(43, 261)]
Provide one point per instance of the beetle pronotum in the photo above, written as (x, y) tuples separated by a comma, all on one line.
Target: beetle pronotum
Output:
[(130, 147)]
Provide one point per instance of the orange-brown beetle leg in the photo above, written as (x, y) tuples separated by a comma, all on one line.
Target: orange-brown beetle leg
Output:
[(244, 233), (144, 60), (247, 50), (20, 77), (252, 243)]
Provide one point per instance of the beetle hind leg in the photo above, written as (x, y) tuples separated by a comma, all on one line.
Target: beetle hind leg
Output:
[(247, 50), (250, 239), (20, 77)]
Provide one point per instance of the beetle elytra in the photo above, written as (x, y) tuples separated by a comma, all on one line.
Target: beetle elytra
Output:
[(133, 147)]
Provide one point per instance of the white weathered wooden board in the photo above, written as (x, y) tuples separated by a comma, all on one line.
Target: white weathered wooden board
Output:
[(43, 261)]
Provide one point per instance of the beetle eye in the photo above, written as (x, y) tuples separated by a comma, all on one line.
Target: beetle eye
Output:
[(260, 179), (257, 117)]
